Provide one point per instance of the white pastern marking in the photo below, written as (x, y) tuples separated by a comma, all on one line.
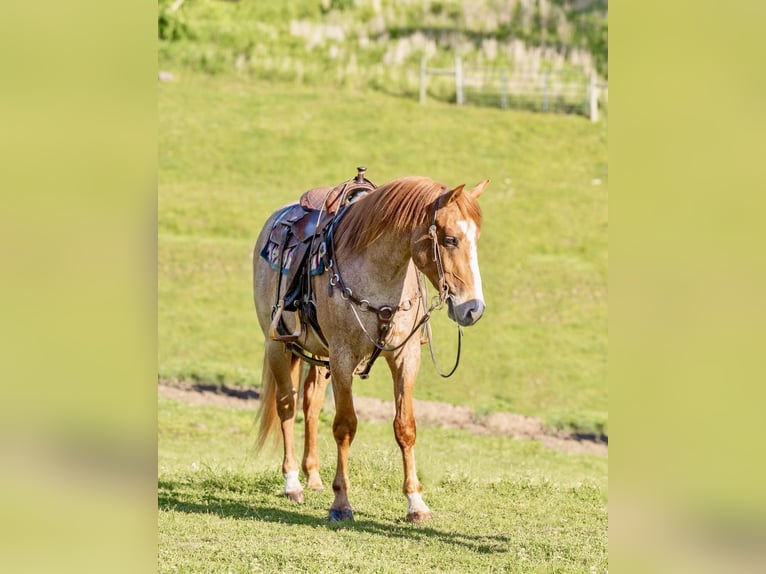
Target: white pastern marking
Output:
[(291, 481), (415, 503), (469, 229)]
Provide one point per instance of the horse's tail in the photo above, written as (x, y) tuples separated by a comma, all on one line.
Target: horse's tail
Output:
[(267, 417)]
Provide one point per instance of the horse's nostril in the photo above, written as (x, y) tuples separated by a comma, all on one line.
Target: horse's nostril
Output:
[(466, 313), (476, 311)]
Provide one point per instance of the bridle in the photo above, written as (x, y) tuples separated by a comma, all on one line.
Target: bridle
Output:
[(443, 296), (385, 313), (432, 233)]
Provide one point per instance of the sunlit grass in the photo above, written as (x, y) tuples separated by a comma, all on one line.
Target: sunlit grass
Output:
[(500, 504)]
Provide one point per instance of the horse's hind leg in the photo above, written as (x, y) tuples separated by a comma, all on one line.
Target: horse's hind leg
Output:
[(313, 399), (286, 370), (404, 369)]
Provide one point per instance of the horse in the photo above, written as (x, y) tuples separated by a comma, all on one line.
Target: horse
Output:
[(369, 301)]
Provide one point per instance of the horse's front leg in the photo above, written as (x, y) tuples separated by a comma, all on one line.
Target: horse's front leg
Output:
[(404, 367), (313, 399), (344, 430)]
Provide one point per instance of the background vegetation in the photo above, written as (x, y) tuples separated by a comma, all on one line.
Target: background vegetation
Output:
[(379, 43)]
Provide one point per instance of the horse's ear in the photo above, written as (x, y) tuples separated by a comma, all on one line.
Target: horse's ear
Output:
[(478, 188), (451, 195)]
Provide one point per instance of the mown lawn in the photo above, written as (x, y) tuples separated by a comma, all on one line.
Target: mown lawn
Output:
[(500, 505), (232, 150)]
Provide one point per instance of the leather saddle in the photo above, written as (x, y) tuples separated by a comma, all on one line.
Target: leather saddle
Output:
[(294, 245), (323, 198)]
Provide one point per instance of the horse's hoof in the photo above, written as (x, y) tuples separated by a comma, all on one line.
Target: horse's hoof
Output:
[(319, 488), (419, 516), (341, 514), (295, 496)]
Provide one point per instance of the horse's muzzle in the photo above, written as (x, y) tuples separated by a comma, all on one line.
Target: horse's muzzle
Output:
[(467, 313)]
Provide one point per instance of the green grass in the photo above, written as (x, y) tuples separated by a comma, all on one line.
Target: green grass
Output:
[(232, 150), (500, 505)]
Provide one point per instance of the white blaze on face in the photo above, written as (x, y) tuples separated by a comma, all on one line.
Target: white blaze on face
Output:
[(470, 231)]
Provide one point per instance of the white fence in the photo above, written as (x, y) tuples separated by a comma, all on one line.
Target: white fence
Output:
[(564, 91)]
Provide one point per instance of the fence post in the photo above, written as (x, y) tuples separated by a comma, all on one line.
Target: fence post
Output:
[(423, 80), (545, 91), (593, 98), (503, 89), (459, 81)]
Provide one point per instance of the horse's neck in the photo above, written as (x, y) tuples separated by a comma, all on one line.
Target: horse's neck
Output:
[(390, 254), (383, 266)]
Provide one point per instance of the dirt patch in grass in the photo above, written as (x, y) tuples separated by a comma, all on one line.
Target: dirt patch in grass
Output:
[(426, 412)]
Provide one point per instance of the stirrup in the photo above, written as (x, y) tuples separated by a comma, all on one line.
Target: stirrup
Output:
[(274, 332)]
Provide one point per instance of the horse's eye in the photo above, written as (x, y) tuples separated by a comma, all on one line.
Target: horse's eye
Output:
[(450, 241)]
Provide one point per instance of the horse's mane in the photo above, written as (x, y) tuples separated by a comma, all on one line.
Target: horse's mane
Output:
[(399, 206)]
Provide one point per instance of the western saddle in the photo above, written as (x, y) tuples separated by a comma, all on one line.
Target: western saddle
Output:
[(296, 247)]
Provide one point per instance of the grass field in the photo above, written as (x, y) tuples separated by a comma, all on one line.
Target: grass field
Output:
[(232, 150), (500, 505)]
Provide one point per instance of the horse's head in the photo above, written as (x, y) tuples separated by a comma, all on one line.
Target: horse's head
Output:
[(445, 250)]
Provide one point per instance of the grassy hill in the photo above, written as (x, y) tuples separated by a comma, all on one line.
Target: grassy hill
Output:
[(232, 149)]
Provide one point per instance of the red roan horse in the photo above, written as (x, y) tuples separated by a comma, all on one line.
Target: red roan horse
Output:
[(372, 287)]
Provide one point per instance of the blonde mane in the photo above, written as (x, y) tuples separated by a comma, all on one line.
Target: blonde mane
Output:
[(399, 206)]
